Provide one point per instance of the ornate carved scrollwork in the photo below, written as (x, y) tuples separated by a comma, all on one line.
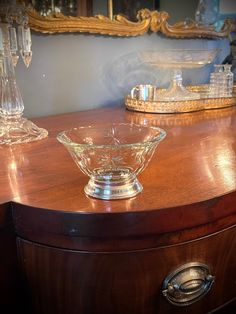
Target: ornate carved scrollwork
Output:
[(147, 20)]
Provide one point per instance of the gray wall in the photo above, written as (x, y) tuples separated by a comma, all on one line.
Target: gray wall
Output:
[(72, 72)]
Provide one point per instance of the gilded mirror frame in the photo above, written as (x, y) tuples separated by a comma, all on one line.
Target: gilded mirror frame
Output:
[(147, 21)]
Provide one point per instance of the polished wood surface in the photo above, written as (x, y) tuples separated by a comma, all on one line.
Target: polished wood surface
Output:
[(196, 162), (128, 231), (125, 282), (186, 213), (189, 183)]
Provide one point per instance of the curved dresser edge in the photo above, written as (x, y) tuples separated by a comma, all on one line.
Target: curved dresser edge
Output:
[(124, 230)]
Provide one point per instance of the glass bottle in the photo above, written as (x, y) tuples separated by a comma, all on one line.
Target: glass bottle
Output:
[(229, 80), (217, 82), (206, 13)]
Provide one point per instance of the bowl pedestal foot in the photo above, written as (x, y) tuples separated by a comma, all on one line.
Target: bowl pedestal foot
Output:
[(115, 184)]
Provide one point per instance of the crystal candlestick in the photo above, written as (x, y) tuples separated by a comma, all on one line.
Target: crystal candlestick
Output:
[(13, 127)]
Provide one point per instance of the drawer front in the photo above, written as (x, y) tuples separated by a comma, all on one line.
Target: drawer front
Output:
[(13, 296), (66, 281)]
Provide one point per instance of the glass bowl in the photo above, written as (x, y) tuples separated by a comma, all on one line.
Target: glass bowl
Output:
[(112, 155), (176, 60), (179, 58)]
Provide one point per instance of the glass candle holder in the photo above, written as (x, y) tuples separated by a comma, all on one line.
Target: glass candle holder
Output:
[(14, 129)]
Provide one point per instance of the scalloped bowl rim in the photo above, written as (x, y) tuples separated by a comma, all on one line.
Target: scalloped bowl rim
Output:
[(155, 139)]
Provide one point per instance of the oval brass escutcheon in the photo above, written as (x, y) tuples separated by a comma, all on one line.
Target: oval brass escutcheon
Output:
[(187, 284)]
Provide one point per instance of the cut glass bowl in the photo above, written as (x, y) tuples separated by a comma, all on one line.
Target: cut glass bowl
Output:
[(176, 60), (112, 155)]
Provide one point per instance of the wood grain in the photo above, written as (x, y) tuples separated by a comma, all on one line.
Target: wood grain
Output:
[(93, 256), (67, 281), (13, 293), (124, 231), (196, 162), (189, 185)]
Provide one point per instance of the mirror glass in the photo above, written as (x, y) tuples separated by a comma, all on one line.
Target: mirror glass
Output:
[(127, 8), (66, 7)]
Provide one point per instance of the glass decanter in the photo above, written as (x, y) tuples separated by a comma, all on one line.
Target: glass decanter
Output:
[(229, 80), (13, 127)]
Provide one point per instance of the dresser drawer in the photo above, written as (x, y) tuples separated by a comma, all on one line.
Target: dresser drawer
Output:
[(66, 281)]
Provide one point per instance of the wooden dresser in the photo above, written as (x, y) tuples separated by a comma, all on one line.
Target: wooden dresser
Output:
[(171, 249)]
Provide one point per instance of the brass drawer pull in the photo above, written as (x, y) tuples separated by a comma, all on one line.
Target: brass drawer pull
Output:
[(187, 284)]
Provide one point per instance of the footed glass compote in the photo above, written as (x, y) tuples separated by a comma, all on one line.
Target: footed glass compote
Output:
[(14, 128), (112, 155), (176, 60)]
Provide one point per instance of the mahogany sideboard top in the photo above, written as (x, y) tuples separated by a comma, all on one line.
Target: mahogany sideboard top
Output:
[(189, 182)]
